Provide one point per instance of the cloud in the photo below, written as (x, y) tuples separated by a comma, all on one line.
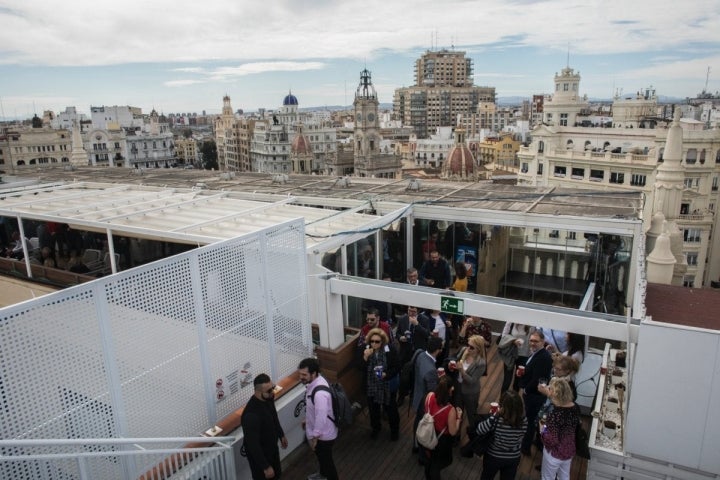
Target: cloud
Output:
[(188, 70), (182, 83), (498, 75), (135, 31), (256, 68)]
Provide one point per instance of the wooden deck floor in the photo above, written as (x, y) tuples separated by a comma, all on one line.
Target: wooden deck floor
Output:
[(357, 456)]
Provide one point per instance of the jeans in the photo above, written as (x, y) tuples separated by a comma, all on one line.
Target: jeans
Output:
[(323, 451), (551, 466), (492, 465), (375, 410), (533, 402)]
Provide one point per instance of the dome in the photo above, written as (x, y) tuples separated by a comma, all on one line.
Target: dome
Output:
[(290, 99), (301, 145), (460, 162)]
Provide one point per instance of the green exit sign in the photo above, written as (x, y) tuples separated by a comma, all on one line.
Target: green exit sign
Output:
[(451, 305)]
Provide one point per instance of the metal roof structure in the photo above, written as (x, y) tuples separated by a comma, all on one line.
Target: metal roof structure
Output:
[(202, 207)]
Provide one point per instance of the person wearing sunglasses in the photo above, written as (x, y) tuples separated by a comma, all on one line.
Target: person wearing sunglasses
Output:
[(262, 430), (382, 368)]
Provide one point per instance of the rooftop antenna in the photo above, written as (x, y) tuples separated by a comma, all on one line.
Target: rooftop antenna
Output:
[(568, 56), (707, 78)]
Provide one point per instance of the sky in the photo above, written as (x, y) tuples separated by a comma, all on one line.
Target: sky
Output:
[(184, 56)]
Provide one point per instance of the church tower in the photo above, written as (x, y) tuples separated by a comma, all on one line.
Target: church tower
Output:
[(367, 138)]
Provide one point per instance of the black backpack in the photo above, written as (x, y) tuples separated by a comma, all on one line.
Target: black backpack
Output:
[(407, 375), (342, 408)]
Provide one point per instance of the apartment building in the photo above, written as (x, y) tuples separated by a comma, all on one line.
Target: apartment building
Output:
[(443, 89), (24, 146)]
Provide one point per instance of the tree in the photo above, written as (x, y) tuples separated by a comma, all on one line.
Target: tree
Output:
[(187, 133), (208, 149)]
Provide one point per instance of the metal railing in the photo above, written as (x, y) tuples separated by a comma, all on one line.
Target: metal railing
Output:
[(118, 458)]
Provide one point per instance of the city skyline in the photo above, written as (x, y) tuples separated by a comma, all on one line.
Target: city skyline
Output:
[(176, 57)]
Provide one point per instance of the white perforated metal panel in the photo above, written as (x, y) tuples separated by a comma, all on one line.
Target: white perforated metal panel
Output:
[(162, 350)]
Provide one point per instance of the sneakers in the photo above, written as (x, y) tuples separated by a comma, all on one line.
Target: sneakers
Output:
[(316, 476)]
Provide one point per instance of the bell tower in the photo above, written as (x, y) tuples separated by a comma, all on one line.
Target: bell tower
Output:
[(367, 137)]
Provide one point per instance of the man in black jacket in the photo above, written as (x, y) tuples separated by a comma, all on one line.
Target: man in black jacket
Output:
[(262, 431), (538, 366)]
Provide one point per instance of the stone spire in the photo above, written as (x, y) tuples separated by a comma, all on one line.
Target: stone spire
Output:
[(668, 190), (670, 176), (661, 261), (78, 156)]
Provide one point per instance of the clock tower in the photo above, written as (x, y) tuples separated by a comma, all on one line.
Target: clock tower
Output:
[(367, 138), (370, 159)]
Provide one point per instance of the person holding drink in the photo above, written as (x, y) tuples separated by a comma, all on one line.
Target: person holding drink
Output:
[(503, 455), (558, 432), (382, 366), (538, 365), (447, 424), (470, 367)]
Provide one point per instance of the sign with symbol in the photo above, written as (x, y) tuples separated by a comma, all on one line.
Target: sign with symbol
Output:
[(451, 305)]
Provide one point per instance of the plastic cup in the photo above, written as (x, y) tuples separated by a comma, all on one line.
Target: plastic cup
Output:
[(494, 408), (452, 365), (436, 333), (520, 371), (441, 372)]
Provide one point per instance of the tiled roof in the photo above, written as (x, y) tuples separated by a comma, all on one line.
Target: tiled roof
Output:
[(692, 307)]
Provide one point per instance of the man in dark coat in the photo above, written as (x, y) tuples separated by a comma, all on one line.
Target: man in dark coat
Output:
[(413, 330), (262, 431), (538, 366)]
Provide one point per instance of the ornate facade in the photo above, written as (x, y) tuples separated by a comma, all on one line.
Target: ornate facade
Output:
[(629, 159)]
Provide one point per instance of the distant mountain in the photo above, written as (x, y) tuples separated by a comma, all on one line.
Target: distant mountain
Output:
[(511, 101)]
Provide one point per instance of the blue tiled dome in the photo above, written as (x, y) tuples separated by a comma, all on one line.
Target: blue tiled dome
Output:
[(290, 99)]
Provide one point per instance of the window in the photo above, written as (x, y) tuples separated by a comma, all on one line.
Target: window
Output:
[(715, 184), (564, 120), (540, 169), (597, 175), (571, 235), (560, 171), (578, 173), (691, 156), (692, 258), (565, 87), (541, 145), (691, 235), (638, 180), (524, 168), (554, 234), (692, 182), (689, 281), (617, 177)]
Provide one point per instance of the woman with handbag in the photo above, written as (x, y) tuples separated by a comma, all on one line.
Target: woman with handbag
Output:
[(503, 454), (471, 366), (382, 367), (447, 424)]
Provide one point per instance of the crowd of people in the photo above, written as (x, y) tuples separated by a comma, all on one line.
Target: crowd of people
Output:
[(536, 406), (440, 364)]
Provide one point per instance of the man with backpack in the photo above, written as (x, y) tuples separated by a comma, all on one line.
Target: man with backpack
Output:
[(320, 428)]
